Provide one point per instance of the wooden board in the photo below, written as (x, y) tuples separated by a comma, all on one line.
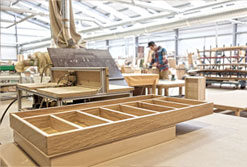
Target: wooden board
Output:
[(13, 156), (34, 86), (224, 100), (170, 84), (73, 91), (98, 154), (216, 140), (119, 88), (125, 125)]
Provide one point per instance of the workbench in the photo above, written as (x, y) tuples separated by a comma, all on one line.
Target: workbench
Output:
[(36, 89), (166, 84), (224, 100), (214, 140), (141, 81)]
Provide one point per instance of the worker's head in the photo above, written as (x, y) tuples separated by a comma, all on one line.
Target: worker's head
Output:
[(152, 45)]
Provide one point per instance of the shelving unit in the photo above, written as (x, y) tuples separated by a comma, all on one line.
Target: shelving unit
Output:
[(8, 81), (226, 65)]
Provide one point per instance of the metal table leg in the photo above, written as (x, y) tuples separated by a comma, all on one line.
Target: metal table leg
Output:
[(59, 102), (19, 95), (180, 91)]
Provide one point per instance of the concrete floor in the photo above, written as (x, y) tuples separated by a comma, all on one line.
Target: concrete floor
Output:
[(6, 132)]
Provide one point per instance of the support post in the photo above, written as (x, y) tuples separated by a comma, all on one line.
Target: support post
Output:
[(107, 43), (234, 34), (176, 44), (136, 49), (16, 39)]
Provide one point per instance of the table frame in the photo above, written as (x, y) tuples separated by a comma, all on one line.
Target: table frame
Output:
[(60, 99)]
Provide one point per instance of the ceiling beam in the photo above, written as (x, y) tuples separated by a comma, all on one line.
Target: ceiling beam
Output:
[(216, 16), (20, 21), (31, 20), (86, 10), (33, 5), (20, 11), (111, 10), (7, 21), (148, 5)]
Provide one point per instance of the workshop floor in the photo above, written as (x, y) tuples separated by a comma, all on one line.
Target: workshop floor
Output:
[(6, 131)]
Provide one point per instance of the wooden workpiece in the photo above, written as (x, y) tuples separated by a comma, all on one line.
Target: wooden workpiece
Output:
[(34, 86), (53, 133), (166, 84), (142, 81), (214, 140), (72, 91), (224, 101), (195, 88)]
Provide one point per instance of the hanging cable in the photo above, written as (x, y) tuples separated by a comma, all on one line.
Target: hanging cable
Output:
[(4, 113)]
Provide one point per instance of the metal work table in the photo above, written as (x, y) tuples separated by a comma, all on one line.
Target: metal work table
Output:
[(113, 91)]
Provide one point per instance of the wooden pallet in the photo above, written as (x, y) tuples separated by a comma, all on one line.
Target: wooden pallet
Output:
[(58, 131)]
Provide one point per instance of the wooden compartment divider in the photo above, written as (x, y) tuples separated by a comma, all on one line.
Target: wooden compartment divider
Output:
[(167, 103), (80, 119), (180, 100), (57, 133), (111, 114), (131, 110), (155, 107), (50, 124), (149, 106)]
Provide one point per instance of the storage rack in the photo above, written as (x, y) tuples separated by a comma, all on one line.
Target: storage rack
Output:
[(226, 65)]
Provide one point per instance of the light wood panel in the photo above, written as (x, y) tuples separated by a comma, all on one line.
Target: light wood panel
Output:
[(73, 91), (94, 156)]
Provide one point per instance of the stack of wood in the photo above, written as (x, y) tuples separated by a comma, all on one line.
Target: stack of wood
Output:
[(180, 71)]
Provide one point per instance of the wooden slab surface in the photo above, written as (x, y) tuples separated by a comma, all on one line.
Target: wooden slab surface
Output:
[(119, 88), (215, 140), (226, 99), (63, 92), (12, 156), (33, 86), (168, 83)]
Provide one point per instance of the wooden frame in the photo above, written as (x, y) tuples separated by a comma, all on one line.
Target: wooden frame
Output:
[(61, 130)]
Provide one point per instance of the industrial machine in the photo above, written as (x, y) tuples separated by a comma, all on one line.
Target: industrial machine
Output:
[(77, 75)]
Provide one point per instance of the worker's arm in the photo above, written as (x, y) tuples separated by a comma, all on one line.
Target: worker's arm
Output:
[(164, 53)]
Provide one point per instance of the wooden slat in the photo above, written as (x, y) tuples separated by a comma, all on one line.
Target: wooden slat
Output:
[(118, 115), (67, 122), (155, 107), (184, 101), (136, 111), (169, 103)]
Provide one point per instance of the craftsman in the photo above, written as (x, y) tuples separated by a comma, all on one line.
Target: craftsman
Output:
[(159, 60)]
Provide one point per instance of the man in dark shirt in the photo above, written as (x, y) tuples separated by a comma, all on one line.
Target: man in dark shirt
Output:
[(159, 60)]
